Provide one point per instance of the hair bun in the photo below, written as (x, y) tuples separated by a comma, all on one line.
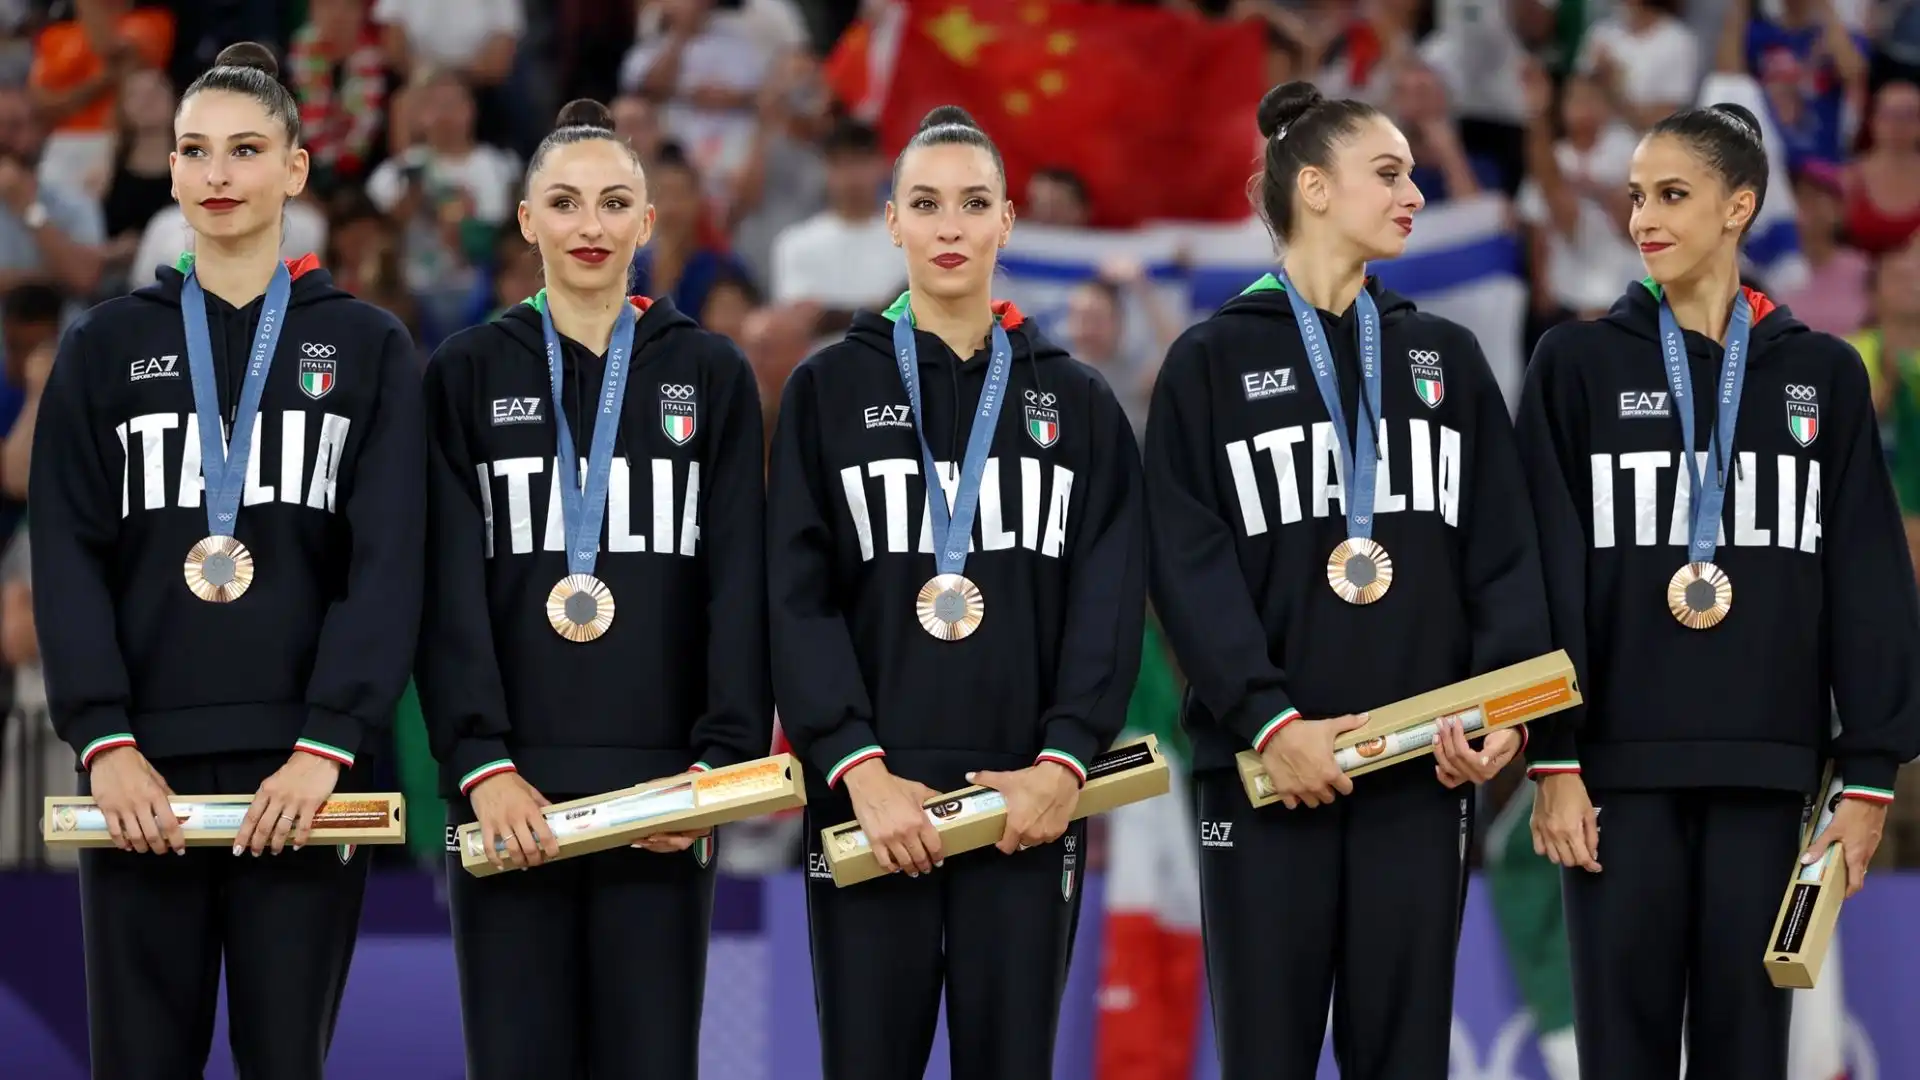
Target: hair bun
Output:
[(1741, 115), (943, 115), (584, 112), (1286, 103), (249, 54)]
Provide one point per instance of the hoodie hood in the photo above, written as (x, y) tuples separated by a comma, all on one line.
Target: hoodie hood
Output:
[(1268, 297), (1638, 313), (521, 322), (311, 283), (876, 332)]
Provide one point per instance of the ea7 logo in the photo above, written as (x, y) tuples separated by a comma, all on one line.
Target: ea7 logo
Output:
[(878, 416), (1216, 834), (516, 410), (158, 367), (1803, 414), (1644, 404), (1260, 385), (817, 865)]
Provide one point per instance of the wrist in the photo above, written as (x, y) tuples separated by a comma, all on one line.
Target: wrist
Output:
[(103, 747), (862, 775)]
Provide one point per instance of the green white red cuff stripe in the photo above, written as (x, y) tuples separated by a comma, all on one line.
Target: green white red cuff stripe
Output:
[(1867, 794), (1550, 768), (865, 753), (490, 769), (1273, 727), (1061, 757), (699, 766), (320, 749), (103, 744)]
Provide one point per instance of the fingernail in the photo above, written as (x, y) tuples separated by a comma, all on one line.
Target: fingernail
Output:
[(1807, 859), (297, 847), (940, 864), (179, 851), (970, 778), (236, 849), (913, 873)]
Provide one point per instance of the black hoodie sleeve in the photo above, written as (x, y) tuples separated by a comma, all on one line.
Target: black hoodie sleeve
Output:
[(74, 498), (1552, 432), (367, 637), (1872, 610), (462, 693), (824, 707), (737, 724), (1106, 597), (1506, 595), (1199, 591)]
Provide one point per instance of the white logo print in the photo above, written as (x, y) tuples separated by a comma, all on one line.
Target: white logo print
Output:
[(817, 865), (158, 367), (516, 410), (677, 412), (317, 350), (1644, 404), (1260, 385), (1429, 383), (1216, 834), (878, 416)]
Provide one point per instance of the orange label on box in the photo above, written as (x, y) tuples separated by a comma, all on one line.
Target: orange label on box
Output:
[(353, 814), (1532, 701), (738, 783)]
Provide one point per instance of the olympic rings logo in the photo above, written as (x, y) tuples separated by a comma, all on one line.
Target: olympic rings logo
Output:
[(316, 350), (1423, 356), (1042, 400), (676, 391), (1797, 392)]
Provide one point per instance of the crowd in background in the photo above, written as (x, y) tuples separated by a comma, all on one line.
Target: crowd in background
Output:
[(769, 185)]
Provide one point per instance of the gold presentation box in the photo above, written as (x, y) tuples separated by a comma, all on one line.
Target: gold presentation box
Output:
[(976, 817), (75, 821), (1811, 908), (1406, 729), (671, 804)]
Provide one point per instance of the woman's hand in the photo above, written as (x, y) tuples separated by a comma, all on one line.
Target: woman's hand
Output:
[(1856, 827), (284, 806), (892, 812), (1040, 801), (508, 808), (1459, 763), (135, 801), (1299, 760), (1566, 828)]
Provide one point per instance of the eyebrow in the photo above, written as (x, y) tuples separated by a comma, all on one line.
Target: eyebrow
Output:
[(571, 190), (1667, 181), (972, 189), (185, 135), (1394, 158)]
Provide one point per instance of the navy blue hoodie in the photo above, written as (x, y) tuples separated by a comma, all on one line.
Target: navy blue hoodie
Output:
[(1058, 553), (317, 651)]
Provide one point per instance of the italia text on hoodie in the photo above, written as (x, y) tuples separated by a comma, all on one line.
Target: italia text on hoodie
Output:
[(1247, 485), (678, 677), (1824, 615), (316, 648), (1057, 550)]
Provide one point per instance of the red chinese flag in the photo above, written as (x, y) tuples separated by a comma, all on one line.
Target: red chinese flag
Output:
[(1154, 109)]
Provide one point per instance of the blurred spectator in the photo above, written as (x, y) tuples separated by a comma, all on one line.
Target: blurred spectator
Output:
[(447, 194), (363, 254), (705, 68), (338, 71), (1443, 168), (784, 178), (167, 235), (686, 255), (1646, 59), (842, 259), (1096, 332), (203, 27), (472, 37), (77, 70), (637, 120), (49, 232), (1574, 203), (30, 331), (516, 271), (134, 182), (588, 39), (1834, 296), (1812, 67), (1881, 189), (1056, 196), (730, 301), (34, 762), (1361, 54), (1890, 348)]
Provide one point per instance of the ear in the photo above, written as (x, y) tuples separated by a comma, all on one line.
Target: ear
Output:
[(299, 165), (893, 223), (1315, 188), (173, 187), (1740, 211), (526, 223), (646, 228), (1006, 224)]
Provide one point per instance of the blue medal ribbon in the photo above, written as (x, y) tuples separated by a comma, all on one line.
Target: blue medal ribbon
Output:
[(584, 506), (952, 534), (1709, 487), (1359, 452), (223, 462)]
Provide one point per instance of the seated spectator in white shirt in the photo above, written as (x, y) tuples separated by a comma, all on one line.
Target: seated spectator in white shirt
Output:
[(842, 259)]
